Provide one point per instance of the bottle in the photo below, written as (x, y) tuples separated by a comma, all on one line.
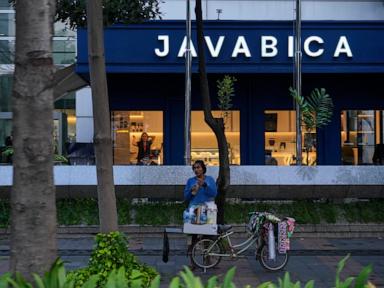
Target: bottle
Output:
[(271, 243), (203, 214), (211, 212)]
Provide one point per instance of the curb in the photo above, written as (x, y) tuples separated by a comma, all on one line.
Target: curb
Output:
[(350, 230), (367, 230)]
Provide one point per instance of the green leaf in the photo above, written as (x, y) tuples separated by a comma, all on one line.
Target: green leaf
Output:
[(286, 280), (14, 283), (4, 280), (189, 279), (21, 282), (212, 282), (362, 278), (155, 283), (175, 283), (310, 284), (228, 278), (347, 283), (340, 267), (266, 285), (91, 282), (39, 282)]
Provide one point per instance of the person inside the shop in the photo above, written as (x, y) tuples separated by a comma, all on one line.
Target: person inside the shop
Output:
[(144, 148), (199, 189)]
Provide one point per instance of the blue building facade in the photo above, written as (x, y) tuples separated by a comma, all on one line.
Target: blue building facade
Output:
[(145, 70)]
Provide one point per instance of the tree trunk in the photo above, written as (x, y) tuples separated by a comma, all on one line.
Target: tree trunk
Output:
[(216, 124), (33, 209), (102, 127)]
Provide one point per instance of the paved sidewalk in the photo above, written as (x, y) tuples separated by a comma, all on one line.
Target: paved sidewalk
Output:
[(311, 258)]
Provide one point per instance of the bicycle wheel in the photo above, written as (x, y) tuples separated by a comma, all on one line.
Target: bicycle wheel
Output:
[(281, 259), (202, 253)]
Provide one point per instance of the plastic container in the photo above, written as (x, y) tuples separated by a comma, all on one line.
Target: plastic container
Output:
[(211, 212), (271, 243)]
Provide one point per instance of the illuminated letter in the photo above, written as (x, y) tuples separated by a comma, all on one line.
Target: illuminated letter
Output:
[(268, 49), (241, 47), (215, 51), (308, 41), (165, 39), (183, 48), (290, 46), (343, 47)]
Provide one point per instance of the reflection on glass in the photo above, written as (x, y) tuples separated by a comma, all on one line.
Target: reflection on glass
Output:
[(361, 132), (5, 130), (280, 140), (204, 143), (127, 128)]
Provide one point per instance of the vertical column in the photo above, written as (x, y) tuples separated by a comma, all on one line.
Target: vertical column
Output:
[(174, 132), (329, 142), (84, 116), (252, 127)]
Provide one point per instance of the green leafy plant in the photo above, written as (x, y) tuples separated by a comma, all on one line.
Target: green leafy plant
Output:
[(225, 93), (115, 11), (361, 280), (111, 253), (316, 112), (60, 158), (6, 155)]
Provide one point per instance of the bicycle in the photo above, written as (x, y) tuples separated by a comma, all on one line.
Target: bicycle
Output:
[(207, 253)]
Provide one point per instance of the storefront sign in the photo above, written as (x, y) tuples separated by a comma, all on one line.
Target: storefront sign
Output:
[(268, 47), (242, 47)]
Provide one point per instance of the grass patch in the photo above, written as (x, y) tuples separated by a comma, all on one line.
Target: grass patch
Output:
[(159, 213), (77, 211), (85, 212)]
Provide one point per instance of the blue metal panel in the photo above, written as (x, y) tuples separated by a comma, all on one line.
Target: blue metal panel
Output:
[(131, 49), (174, 132)]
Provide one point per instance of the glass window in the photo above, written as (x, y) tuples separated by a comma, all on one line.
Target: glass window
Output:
[(280, 140), (5, 130), (361, 136), (4, 4), (7, 24), (7, 51), (203, 140), (5, 93), (67, 106), (128, 127), (64, 50)]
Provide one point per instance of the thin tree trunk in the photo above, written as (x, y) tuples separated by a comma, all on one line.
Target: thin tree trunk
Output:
[(216, 124), (102, 128), (33, 209)]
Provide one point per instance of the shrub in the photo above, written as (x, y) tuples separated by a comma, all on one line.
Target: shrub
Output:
[(111, 253)]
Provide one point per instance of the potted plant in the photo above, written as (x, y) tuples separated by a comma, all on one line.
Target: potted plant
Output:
[(316, 112)]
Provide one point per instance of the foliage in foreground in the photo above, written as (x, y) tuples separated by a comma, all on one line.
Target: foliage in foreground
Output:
[(111, 254), (117, 278)]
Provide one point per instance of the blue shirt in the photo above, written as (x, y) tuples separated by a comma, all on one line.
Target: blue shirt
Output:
[(204, 194)]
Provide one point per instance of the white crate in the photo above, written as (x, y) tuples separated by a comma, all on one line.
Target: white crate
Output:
[(205, 229)]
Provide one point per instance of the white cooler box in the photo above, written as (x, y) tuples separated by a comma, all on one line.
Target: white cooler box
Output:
[(204, 229)]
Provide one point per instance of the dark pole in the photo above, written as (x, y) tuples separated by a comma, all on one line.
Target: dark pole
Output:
[(298, 56), (188, 75)]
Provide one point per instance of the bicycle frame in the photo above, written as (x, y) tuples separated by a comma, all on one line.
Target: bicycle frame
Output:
[(236, 250)]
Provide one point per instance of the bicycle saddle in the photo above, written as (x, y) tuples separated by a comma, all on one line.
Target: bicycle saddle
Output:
[(223, 228)]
